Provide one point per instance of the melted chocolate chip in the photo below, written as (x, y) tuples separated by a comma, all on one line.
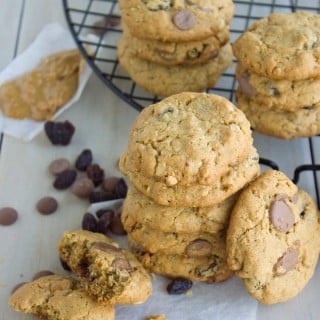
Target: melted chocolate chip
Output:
[(281, 216), (199, 248), (121, 263), (184, 19), (245, 85), (287, 261), (108, 248)]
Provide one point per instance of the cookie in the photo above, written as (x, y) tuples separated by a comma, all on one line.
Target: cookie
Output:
[(304, 122), (174, 53), (108, 273), (205, 269), (163, 81), (273, 240), (57, 297), (138, 208), (176, 21), (283, 95), (190, 150), (192, 245), (282, 46)]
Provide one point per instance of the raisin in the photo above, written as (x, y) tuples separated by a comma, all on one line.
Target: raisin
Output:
[(100, 196), (89, 222), (101, 26), (101, 212), (116, 226), (59, 133), (105, 221), (121, 188), (179, 286), (95, 173), (84, 160), (65, 179)]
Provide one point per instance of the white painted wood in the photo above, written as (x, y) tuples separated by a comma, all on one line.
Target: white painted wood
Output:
[(102, 123)]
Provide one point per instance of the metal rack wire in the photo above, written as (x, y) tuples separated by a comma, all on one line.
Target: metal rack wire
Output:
[(98, 44)]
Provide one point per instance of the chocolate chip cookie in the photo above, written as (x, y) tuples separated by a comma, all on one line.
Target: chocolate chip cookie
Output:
[(273, 240), (108, 273), (57, 297), (176, 21)]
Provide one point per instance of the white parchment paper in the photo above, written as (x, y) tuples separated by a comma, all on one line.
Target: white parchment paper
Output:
[(221, 301), (52, 38)]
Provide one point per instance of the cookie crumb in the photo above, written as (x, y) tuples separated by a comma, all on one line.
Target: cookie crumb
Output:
[(156, 317)]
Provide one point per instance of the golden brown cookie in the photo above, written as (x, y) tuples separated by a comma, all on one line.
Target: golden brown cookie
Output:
[(165, 81), (57, 297), (176, 21), (282, 46), (108, 273), (273, 240), (303, 122), (138, 208)]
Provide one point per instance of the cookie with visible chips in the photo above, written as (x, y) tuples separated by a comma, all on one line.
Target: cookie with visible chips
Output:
[(273, 240)]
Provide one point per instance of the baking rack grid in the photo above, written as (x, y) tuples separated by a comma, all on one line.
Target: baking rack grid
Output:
[(101, 41)]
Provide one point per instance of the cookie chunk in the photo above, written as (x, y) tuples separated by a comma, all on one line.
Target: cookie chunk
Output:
[(282, 46), (206, 269), (286, 95), (56, 297), (175, 53), (138, 208), (304, 122), (273, 240), (108, 273), (163, 81), (176, 21)]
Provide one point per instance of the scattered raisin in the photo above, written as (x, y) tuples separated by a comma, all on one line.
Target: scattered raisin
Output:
[(59, 133), (95, 173), (116, 226), (84, 160), (65, 179), (100, 196), (121, 188), (89, 222), (109, 184), (101, 212), (104, 222), (179, 286)]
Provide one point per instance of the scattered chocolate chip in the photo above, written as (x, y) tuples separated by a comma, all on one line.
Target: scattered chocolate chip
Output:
[(245, 85), (100, 196), (82, 187), (121, 189), (59, 133), (109, 184), (199, 248), (281, 216), (84, 159), (8, 216), (41, 274), (104, 222), (179, 286), (65, 179), (17, 286), (59, 165), (116, 226), (184, 19), (89, 222), (47, 205), (287, 261), (95, 173), (121, 263), (101, 26), (101, 212), (64, 265)]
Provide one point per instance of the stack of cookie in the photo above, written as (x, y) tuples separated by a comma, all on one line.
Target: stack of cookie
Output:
[(279, 74), (187, 158), (170, 46)]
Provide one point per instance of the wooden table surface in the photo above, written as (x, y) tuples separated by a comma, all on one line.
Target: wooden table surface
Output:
[(102, 122)]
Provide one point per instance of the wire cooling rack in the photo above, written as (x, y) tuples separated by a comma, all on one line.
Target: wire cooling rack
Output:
[(95, 28)]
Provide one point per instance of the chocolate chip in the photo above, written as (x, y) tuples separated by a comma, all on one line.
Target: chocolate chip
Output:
[(184, 19), (95, 173), (17, 286), (89, 222), (101, 26), (47, 205), (109, 184), (116, 226), (199, 248), (8, 216), (41, 274), (59, 133), (108, 248), (64, 265), (287, 261), (83, 160), (104, 222), (308, 107), (83, 268), (100, 196), (214, 54), (65, 179), (121, 263), (281, 216), (59, 165), (121, 189), (245, 85), (82, 187), (179, 286)]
